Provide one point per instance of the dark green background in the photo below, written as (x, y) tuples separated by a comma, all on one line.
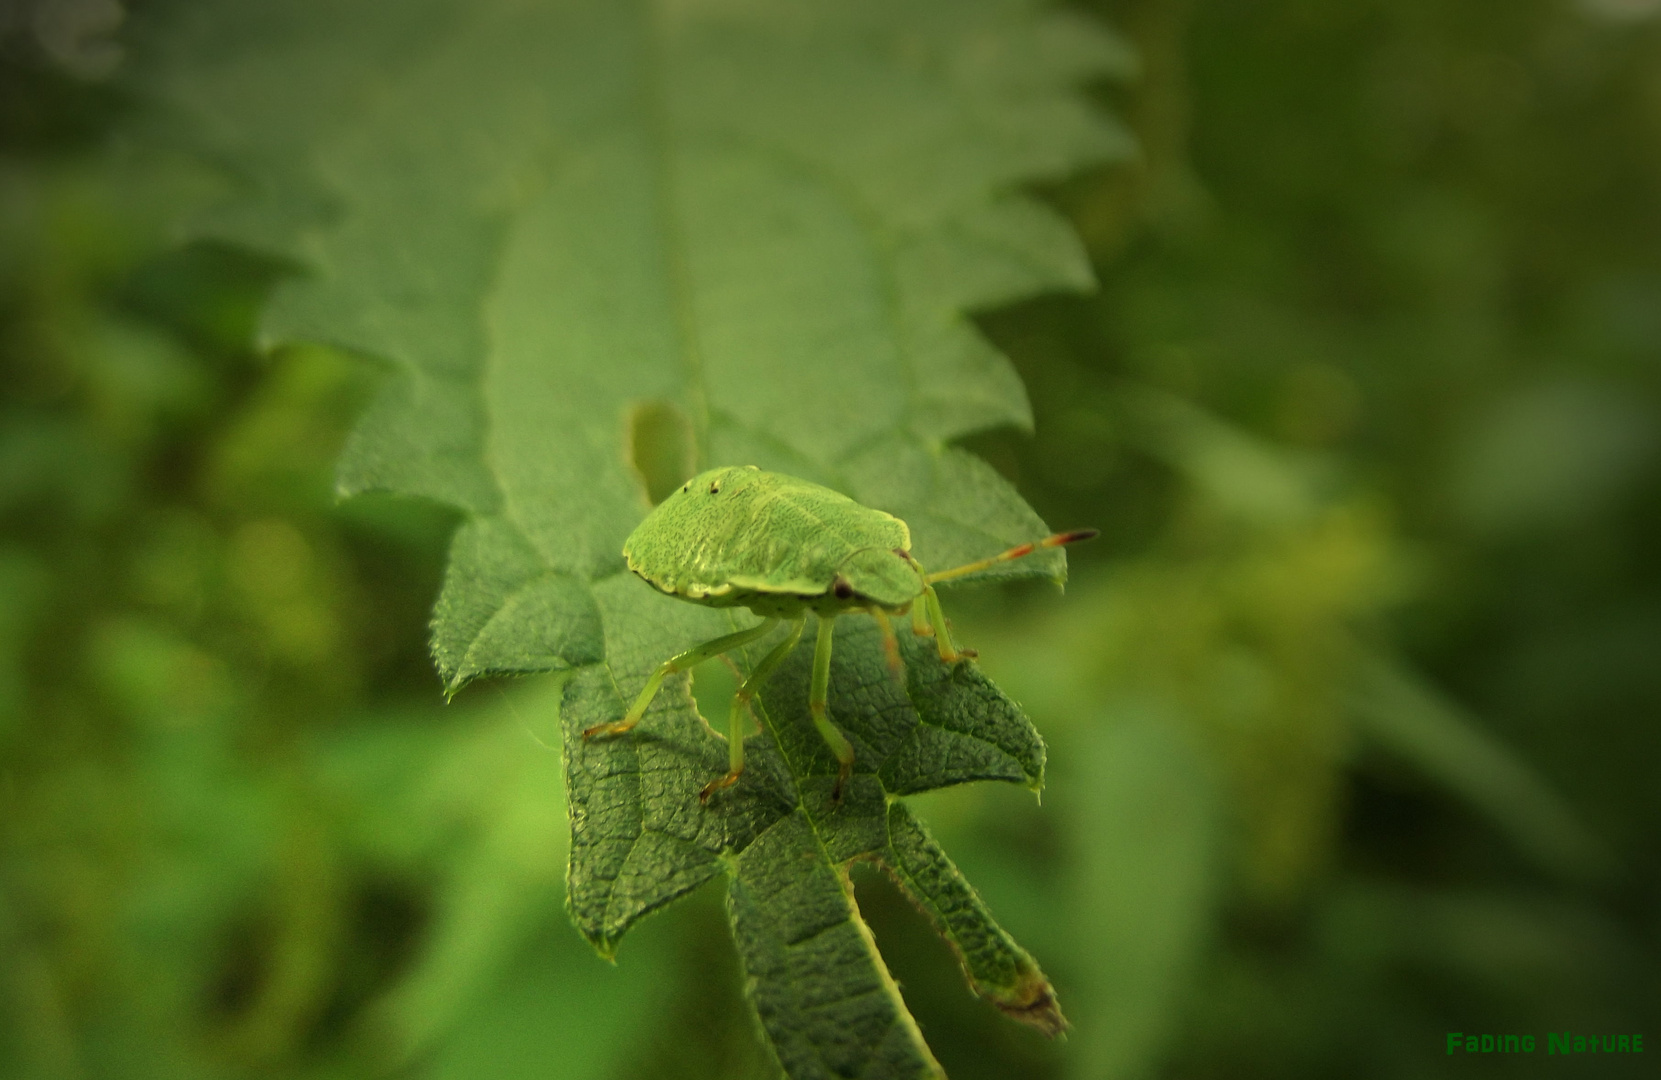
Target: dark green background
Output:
[(1371, 383)]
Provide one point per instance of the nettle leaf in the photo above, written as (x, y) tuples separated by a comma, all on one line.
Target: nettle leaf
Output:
[(766, 222)]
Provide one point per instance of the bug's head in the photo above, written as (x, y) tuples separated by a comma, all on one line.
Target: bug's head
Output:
[(878, 575), (726, 478)]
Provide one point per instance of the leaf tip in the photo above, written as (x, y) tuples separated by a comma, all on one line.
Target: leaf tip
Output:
[(604, 944), (1032, 1001), (1035, 777)]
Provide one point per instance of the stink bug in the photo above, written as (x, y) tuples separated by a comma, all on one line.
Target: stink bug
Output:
[(780, 546)]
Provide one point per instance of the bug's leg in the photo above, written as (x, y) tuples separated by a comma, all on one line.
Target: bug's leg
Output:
[(820, 691), (949, 653), (920, 618), (890, 644), (691, 658), (1020, 550), (741, 705)]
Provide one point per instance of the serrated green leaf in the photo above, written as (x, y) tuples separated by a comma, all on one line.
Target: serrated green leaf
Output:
[(545, 216), (639, 835), (772, 219), (826, 1000), (997, 968)]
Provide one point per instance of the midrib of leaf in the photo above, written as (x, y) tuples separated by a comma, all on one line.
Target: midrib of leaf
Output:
[(656, 108)]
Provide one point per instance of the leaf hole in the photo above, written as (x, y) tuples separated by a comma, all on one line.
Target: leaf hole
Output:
[(661, 446), (714, 683)]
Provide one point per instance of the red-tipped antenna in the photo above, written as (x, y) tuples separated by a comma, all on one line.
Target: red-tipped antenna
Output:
[(1057, 540)]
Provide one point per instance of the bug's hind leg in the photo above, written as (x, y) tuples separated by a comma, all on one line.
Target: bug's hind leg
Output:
[(691, 658), (817, 695), (741, 705)]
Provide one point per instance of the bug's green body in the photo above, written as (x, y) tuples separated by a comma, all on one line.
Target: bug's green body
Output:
[(741, 537), (781, 546)]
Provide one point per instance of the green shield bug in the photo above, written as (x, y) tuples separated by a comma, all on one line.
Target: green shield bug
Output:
[(781, 546)]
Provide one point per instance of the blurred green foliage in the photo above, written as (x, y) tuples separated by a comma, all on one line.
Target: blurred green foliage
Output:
[(1351, 713)]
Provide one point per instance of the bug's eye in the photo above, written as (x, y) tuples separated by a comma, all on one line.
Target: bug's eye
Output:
[(715, 489), (842, 589)]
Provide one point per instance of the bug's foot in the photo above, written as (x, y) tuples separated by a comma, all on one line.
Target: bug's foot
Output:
[(605, 731), (718, 784), (842, 772)]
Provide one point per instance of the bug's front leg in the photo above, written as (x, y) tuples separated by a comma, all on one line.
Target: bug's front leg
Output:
[(741, 705), (817, 695), (687, 660), (890, 643), (920, 617)]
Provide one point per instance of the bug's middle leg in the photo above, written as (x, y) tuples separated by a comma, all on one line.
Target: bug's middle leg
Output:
[(741, 705), (687, 660), (816, 698)]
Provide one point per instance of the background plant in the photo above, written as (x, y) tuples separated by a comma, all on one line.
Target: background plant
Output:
[(1366, 404)]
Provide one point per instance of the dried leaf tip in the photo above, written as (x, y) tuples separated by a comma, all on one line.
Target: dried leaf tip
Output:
[(1033, 1002)]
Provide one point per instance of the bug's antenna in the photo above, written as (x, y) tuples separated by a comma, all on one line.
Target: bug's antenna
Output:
[(1057, 540)]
